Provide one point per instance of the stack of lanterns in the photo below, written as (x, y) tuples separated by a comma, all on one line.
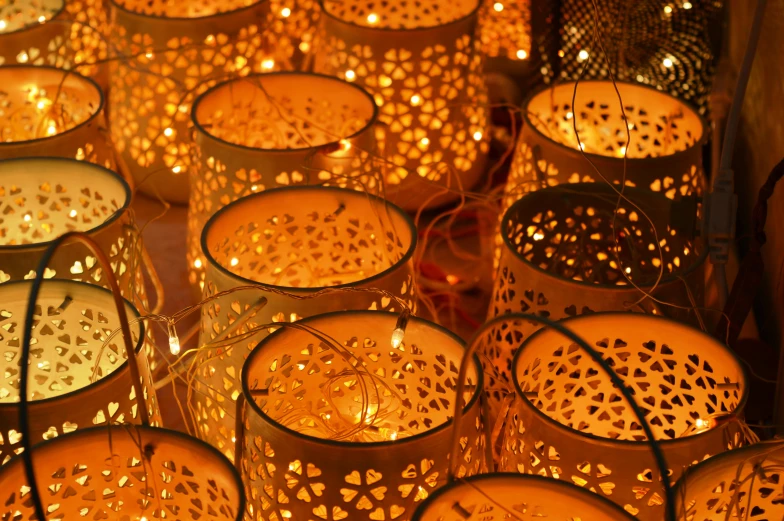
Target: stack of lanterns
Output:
[(299, 134)]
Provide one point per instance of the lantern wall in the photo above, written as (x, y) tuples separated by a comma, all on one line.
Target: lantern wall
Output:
[(67, 391), (559, 261), (52, 113), (424, 68), (299, 240), (411, 399), (102, 471), (273, 130), (568, 421), (169, 53)]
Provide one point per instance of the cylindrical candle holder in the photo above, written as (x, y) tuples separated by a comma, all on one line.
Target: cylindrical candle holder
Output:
[(664, 153), (133, 471), (62, 33), (739, 484), (356, 433), (559, 260), (269, 130), (45, 111), (303, 241), (46, 197), (76, 380), (569, 422), (169, 53), (424, 69), (495, 496)]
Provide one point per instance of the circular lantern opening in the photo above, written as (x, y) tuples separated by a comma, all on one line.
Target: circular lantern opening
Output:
[(309, 237), (685, 381), (497, 495), (133, 471), (17, 16), (314, 391), (73, 320), (403, 15), (47, 197), (284, 111), (179, 10), (38, 103), (660, 125), (572, 232)]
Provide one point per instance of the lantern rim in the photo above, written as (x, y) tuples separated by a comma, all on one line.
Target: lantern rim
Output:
[(104, 224), (97, 431), (249, 199), (357, 444), (705, 467), (116, 373), (70, 72), (214, 16), (573, 152), (469, 15), (643, 444), (32, 25), (370, 123), (592, 189), (540, 481)]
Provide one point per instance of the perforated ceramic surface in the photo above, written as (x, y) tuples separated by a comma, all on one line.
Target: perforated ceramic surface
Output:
[(570, 423), (20, 15), (660, 43), (559, 260), (296, 240), (744, 484), (62, 33), (382, 472), (168, 63), (42, 198), (665, 136), (498, 497), (506, 28), (422, 64), (48, 112), (274, 130), (75, 382), (130, 472)]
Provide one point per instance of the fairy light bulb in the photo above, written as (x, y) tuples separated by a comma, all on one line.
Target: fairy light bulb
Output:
[(350, 75), (522, 54), (285, 12), (498, 6), (2, 25), (174, 340), (582, 55), (372, 18), (399, 333)]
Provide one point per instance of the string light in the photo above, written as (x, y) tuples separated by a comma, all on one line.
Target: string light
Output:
[(667, 62), (285, 12), (268, 64), (176, 169), (498, 6), (477, 136), (372, 18), (174, 340), (521, 54), (582, 55), (168, 132), (350, 75), (667, 9), (416, 100), (2, 25), (687, 5), (399, 333)]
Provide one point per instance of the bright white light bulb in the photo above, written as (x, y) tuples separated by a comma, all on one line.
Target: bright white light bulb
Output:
[(582, 55), (667, 62), (72, 213), (2, 25), (285, 12), (397, 337), (350, 75), (498, 6), (174, 340), (372, 18), (521, 54), (168, 132), (477, 136)]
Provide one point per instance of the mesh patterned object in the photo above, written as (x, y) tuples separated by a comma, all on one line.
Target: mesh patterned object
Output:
[(744, 484), (421, 62), (559, 260), (569, 422), (660, 43), (497, 497), (170, 53), (73, 321), (68, 34), (273, 130), (299, 240), (48, 112), (300, 459), (293, 24), (127, 471)]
